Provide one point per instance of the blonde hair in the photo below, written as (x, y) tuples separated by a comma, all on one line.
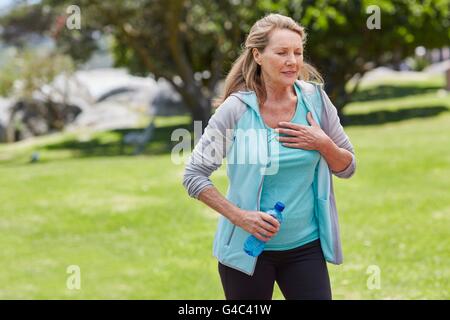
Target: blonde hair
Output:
[(245, 74)]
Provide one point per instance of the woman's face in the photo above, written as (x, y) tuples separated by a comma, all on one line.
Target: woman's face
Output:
[(282, 58)]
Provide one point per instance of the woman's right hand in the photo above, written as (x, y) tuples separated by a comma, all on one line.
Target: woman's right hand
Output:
[(260, 224)]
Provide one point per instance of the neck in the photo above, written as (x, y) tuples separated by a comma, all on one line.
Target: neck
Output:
[(276, 92)]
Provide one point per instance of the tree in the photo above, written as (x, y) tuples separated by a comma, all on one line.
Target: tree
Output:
[(189, 43), (342, 46), (192, 43), (40, 107)]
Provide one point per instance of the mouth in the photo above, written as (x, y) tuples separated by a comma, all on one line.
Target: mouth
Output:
[(290, 73)]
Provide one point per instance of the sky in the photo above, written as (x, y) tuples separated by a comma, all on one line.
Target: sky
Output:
[(5, 5)]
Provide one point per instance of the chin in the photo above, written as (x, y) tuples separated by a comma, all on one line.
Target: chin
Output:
[(288, 82)]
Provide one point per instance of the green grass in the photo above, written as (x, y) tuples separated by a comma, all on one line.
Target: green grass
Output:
[(129, 225)]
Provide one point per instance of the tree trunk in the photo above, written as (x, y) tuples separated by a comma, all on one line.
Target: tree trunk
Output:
[(197, 102), (11, 132), (55, 115), (200, 112)]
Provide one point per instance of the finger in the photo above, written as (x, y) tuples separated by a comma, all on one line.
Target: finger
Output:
[(270, 219), (289, 132), (268, 228), (289, 125), (265, 233), (292, 145), (261, 237), (287, 139)]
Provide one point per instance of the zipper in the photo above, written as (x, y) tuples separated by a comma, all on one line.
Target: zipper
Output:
[(262, 179), (258, 196), (259, 200), (257, 204)]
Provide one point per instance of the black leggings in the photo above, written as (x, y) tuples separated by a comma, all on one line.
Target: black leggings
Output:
[(301, 273)]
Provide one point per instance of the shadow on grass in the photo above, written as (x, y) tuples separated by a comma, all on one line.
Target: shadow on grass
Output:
[(110, 143), (389, 92), (384, 116)]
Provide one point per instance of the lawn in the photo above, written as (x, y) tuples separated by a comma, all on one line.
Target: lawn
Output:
[(130, 227)]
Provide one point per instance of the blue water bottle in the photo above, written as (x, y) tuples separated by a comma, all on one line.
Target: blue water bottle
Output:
[(253, 246)]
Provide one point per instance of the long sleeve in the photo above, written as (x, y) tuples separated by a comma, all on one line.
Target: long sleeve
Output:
[(333, 128), (213, 146)]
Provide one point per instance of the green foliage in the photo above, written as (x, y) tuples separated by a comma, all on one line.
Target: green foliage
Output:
[(32, 70), (341, 45), (8, 75), (47, 18), (417, 63)]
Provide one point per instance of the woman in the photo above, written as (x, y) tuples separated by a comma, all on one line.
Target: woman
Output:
[(302, 144)]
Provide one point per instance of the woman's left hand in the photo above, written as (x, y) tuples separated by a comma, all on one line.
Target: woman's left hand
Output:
[(301, 136)]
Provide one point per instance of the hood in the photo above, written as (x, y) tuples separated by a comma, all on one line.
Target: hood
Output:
[(306, 88)]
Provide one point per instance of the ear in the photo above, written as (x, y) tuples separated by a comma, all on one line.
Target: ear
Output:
[(256, 56)]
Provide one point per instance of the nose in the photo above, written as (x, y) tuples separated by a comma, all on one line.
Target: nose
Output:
[(290, 60)]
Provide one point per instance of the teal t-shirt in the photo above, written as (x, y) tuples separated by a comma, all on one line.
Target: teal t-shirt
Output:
[(292, 185)]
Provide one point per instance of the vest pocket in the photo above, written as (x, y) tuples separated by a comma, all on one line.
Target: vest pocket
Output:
[(227, 243), (230, 236)]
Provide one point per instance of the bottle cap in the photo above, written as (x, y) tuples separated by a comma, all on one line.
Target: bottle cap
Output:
[(279, 206)]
